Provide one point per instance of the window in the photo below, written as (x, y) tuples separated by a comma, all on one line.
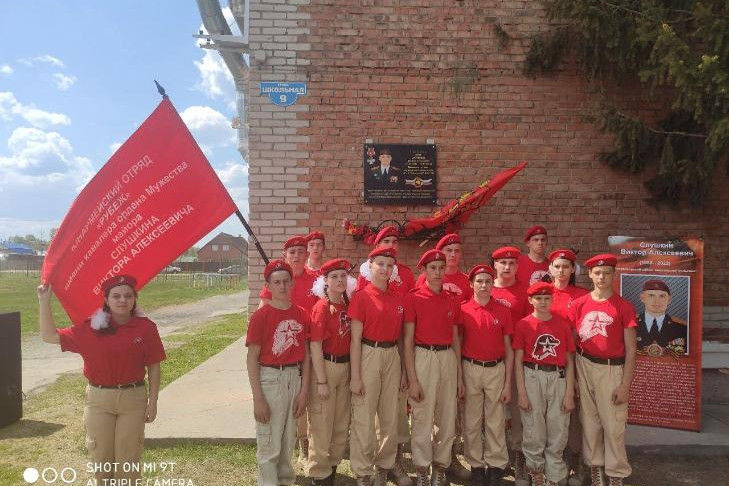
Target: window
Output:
[(215, 247), (226, 247)]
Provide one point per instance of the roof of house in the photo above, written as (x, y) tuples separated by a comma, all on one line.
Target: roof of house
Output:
[(224, 238)]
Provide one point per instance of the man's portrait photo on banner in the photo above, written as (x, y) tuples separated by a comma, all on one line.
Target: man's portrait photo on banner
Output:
[(662, 306)]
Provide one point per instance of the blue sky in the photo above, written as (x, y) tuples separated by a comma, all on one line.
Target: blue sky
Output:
[(76, 79)]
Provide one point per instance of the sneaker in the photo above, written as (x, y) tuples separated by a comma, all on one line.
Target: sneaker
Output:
[(597, 477)]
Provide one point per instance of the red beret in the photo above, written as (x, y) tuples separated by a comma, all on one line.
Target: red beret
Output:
[(388, 252), (314, 235), (295, 241), (540, 288), (563, 253), (448, 239), (431, 256), (481, 269), (602, 260), (534, 231), (119, 280), (275, 266), (336, 264), (506, 252), (656, 285), (385, 232)]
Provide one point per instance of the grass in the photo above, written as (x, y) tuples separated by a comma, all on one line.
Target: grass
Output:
[(51, 433), (17, 294)]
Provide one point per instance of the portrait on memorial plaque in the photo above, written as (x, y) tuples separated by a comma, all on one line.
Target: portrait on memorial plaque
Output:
[(662, 312), (399, 174)]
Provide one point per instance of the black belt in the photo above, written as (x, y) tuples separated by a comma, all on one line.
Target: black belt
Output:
[(378, 344), (434, 347), (281, 366), (543, 367), (120, 386), (337, 359), (606, 361), (485, 364)]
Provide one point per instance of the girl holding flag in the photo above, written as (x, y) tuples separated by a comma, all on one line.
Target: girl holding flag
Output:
[(119, 347)]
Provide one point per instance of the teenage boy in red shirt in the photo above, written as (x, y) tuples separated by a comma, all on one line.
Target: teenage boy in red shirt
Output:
[(278, 370), (456, 282), (487, 361), (534, 264), (401, 282), (607, 344), (512, 294), (544, 365), (432, 353), (377, 315), (315, 245)]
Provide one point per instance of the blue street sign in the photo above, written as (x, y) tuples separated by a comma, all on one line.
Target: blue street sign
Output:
[(283, 94)]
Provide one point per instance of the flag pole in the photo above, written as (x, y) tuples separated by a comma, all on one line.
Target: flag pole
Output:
[(162, 93), (253, 237)]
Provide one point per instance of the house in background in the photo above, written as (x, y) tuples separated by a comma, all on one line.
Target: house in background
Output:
[(224, 247)]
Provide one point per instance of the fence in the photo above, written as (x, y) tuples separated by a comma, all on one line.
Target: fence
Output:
[(203, 280)]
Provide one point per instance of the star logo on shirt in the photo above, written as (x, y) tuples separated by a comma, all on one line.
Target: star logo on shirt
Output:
[(545, 346), (451, 287), (594, 324), (345, 324), (285, 336), (504, 302), (400, 309)]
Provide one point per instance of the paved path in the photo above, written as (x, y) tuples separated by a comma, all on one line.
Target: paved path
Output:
[(43, 363), (212, 402)]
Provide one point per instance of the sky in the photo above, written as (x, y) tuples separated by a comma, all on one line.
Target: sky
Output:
[(76, 80)]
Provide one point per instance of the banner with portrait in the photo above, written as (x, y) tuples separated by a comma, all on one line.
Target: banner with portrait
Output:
[(663, 279)]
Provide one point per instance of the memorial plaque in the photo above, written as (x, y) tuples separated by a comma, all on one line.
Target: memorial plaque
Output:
[(399, 174)]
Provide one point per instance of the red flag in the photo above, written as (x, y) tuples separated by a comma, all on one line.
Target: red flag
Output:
[(154, 198), (458, 211)]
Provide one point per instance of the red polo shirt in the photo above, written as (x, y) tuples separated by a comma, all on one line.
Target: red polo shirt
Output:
[(513, 298), (381, 313), (281, 334), (402, 285), (528, 271), (600, 325), (544, 342), (333, 330), (455, 283), (117, 357), (562, 299), (434, 314), (483, 329), (301, 294)]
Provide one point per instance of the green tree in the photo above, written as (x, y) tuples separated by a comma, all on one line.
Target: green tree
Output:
[(677, 51)]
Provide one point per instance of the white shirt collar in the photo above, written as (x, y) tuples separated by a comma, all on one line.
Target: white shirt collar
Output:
[(649, 321)]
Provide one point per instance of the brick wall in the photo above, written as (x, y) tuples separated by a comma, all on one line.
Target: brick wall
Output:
[(403, 71)]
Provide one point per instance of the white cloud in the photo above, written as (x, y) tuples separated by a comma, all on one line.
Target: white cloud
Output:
[(216, 82), (63, 82), (210, 127), (41, 175), (10, 108), (6, 69), (234, 177), (114, 147), (44, 59)]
